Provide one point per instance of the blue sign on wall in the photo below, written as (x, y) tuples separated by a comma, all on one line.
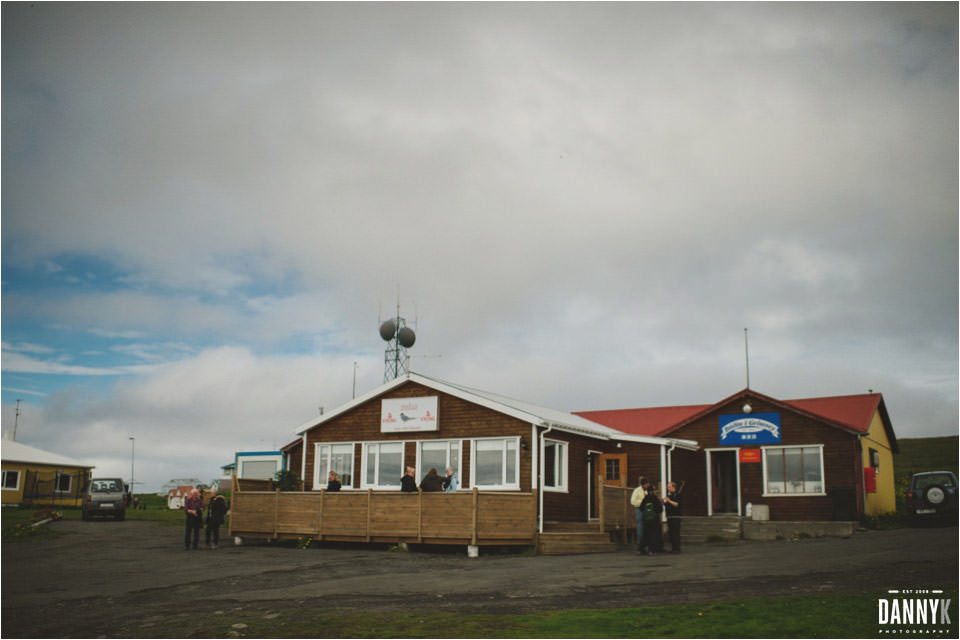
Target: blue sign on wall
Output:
[(750, 428)]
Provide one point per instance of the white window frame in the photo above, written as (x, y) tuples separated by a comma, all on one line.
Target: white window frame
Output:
[(321, 483), (56, 482), (504, 485), (823, 477), (561, 466), (364, 465), (442, 472), (266, 457), (6, 475)]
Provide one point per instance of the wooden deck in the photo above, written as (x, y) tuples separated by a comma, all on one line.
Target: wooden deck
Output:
[(462, 517)]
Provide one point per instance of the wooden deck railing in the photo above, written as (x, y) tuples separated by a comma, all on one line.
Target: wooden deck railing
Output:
[(461, 517)]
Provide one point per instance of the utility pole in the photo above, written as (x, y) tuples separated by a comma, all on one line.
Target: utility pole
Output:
[(16, 419), (133, 447)]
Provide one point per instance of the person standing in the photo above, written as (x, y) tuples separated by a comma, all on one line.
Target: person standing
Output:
[(333, 481), (652, 529), (407, 483), (450, 482), (431, 481), (193, 506), (216, 514), (674, 508), (635, 499)]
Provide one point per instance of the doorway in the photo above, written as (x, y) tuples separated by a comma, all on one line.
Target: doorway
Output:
[(724, 486), (607, 468)]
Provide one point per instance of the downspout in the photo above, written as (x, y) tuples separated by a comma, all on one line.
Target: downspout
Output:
[(664, 456), (540, 475), (862, 507), (303, 461)]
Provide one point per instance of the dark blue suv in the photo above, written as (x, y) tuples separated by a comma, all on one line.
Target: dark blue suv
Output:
[(933, 494)]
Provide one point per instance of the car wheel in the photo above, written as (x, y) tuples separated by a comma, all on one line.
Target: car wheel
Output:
[(935, 495), (121, 515)]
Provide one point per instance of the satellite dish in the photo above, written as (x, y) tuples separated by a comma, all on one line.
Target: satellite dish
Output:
[(388, 329), (406, 337)]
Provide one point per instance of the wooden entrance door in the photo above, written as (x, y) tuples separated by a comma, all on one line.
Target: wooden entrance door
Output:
[(611, 469)]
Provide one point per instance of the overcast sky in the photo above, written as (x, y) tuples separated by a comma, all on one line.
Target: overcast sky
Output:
[(206, 208)]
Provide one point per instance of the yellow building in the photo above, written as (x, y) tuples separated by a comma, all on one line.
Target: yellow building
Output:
[(32, 476)]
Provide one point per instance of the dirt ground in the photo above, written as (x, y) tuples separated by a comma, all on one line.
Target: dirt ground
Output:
[(105, 575)]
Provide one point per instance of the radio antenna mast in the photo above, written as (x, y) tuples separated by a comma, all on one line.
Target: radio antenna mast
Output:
[(746, 354), (399, 337)]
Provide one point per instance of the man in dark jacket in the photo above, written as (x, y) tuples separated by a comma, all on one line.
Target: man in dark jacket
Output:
[(432, 481), (407, 482), (216, 514), (674, 508)]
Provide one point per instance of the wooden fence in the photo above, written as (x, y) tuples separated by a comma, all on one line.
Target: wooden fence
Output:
[(616, 512), (461, 517)]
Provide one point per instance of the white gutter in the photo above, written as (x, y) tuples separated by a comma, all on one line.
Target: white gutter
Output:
[(303, 460), (665, 457), (663, 471), (540, 475)]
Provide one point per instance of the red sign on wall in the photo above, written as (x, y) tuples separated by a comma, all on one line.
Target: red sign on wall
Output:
[(750, 455)]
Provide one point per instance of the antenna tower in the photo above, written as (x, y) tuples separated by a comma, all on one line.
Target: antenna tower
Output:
[(399, 338)]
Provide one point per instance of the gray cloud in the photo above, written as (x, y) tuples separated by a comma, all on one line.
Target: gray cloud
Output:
[(587, 203)]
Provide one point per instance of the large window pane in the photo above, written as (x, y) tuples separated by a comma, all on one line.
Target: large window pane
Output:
[(793, 464), (550, 465), (433, 455), (261, 469), (489, 458), (775, 471), (813, 482), (341, 461), (390, 465), (371, 478)]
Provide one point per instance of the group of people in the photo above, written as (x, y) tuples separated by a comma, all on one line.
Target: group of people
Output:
[(216, 514), (647, 508), (431, 482), (408, 483)]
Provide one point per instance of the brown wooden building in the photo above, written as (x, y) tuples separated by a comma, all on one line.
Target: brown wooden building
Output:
[(494, 443), (813, 459)]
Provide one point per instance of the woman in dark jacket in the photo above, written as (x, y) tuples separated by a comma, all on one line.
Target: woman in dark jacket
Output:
[(432, 481), (333, 482)]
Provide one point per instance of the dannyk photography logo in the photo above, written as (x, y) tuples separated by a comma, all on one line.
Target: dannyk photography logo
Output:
[(914, 612)]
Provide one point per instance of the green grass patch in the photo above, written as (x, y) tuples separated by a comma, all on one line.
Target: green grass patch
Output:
[(834, 615)]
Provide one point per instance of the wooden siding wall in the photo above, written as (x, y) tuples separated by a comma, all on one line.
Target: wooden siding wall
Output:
[(465, 517), (571, 505), (840, 463), (457, 419)]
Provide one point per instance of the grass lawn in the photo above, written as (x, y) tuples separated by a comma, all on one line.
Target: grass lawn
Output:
[(835, 615), (16, 520)]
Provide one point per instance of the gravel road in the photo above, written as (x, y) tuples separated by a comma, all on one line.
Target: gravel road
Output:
[(103, 576)]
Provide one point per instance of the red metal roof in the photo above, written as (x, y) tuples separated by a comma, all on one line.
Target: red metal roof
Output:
[(643, 422), (854, 411)]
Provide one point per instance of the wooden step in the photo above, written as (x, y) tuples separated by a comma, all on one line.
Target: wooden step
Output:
[(702, 529), (570, 542)]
